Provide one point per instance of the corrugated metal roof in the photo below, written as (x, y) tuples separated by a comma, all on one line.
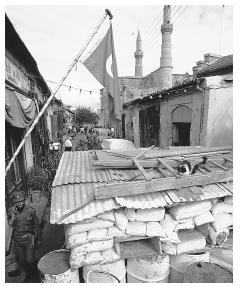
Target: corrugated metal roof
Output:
[(75, 167), (67, 198), (76, 180)]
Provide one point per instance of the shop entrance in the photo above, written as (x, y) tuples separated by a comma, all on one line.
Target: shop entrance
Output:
[(181, 119)]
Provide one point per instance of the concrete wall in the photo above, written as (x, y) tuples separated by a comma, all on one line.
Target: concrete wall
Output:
[(219, 130), (193, 101)]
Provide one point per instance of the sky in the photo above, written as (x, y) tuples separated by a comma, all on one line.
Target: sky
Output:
[(54, 34)]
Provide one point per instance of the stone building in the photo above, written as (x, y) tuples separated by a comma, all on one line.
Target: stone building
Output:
[(165, 109)]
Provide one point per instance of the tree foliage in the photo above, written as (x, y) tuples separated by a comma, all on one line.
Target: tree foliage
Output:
[(86, 115)]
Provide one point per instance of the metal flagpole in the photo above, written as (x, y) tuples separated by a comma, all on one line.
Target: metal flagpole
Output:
[(107, 13)]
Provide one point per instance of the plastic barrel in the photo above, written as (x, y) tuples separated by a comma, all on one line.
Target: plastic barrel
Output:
[(116, 268), (178, 264), (151, 269), (55, 268)]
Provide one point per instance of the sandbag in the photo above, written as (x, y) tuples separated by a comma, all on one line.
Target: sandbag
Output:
[(222, 221), (191, 240), (169, 224), (172, 237), (204, 218), (97, 234), (145, 215), (107, 216), (228, 200), (121, 220), (109, 255), (78, 227), (189, 210), (90, 258), (222, 208), (218, 238), (92, 247), (187, 223), (155, 229), (136, 228), (75, 240), (114, 231)]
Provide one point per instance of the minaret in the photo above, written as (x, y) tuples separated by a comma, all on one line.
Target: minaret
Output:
[(138, 57), (166, 51)]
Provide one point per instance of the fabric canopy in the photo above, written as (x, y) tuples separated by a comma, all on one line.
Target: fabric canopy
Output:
[(20, 111)]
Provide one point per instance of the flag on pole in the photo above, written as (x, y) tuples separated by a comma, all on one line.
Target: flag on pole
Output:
[(103, 66)]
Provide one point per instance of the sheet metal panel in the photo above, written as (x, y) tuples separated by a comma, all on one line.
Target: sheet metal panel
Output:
[(69, 197), (76, 167)]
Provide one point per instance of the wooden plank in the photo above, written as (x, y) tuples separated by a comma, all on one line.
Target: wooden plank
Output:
[(140, 168), (228, 159), (175, 152), (134, 188), (138, 248), (163, 172), (173, 197), (145, 163), (130, 238), (175, 173), (218, 165)]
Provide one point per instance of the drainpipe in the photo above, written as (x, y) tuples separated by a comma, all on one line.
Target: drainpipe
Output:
[(198, 88)]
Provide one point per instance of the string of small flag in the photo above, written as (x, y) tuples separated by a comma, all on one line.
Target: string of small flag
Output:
[(70, 87)]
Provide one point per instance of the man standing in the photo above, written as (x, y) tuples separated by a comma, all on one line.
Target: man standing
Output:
[(26, 232), (68, 144)]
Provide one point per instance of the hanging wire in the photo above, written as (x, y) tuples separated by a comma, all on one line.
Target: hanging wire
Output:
[(70, 87), (180, 14)]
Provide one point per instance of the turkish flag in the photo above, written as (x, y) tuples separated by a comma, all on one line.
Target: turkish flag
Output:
[(103, 66)]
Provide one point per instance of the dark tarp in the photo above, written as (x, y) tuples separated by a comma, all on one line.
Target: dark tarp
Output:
[(20, 110)]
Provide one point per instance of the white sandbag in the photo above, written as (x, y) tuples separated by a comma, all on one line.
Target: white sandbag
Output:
[(221, 207), (228, 200), (107, 216), (187, 223), (114, 231), (80, 227), (110, 255), (136, 228), (121, 220), (92, 247), (90, 258), (191, 241), (75, 240), (189, 210), (154, 229), (145, 215), (206, 217), (169, 248), (218, 238), (169, 224), (222, 221), (97, 234), (172, 237)]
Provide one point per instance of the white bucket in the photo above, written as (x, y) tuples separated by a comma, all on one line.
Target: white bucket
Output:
[(116, 268), (178, 264), (55, 268), (148, 269)]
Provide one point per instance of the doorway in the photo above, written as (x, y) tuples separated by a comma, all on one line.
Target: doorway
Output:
[(181, 120), (181, 134)]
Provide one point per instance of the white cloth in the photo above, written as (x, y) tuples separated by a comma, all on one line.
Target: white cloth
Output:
[(68, 143)]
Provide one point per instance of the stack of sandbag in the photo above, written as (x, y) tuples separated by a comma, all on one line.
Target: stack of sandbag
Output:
[(218, 230), (90, 242), (190, 214)]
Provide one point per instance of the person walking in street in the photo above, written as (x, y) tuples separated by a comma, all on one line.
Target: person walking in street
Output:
[(68, 144), (26, 233)]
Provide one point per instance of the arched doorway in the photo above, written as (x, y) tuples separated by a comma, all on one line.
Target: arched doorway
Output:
[(181, 120)]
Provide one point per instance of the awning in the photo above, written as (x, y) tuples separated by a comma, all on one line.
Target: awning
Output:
[(20, 110)]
